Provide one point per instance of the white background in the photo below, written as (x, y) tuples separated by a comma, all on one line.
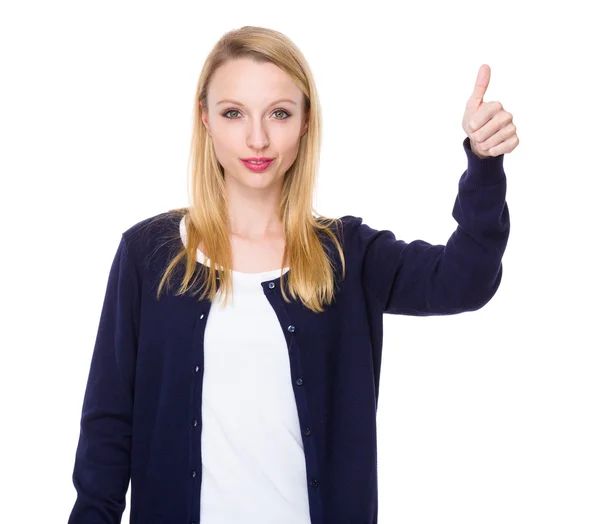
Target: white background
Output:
[(484, 417)]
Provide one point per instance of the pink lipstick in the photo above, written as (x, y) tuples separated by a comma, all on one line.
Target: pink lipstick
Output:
[(258, 165)]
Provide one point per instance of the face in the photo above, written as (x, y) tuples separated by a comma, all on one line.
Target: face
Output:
[(254, 110)]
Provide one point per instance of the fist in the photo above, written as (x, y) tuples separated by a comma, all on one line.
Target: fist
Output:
[(488, 125)]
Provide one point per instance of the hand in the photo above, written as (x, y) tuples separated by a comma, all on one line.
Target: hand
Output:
[(489, 127)]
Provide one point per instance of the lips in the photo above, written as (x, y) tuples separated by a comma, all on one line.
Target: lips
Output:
[(258, 167), (257, 160)]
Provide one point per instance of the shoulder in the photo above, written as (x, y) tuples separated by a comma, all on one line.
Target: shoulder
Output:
[(354, 229), (351, 231), (360, 238), (154, 224), (342, 225), (350, 222), (355, 236), (152, 235)]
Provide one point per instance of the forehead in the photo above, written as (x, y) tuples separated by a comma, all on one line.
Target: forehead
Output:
[(252, 83)]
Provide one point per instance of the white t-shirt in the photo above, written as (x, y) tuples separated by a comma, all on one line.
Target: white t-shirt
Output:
[(253, 462)]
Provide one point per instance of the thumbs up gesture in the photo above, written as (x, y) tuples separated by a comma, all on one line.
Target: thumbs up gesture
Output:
[(489, 127)]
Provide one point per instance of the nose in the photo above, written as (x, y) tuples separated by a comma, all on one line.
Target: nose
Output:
[(257, 137)]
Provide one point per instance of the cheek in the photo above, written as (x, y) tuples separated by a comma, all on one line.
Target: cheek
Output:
[(289, 153), (287, 139), (227, 146), (292, 145), (220, 152)]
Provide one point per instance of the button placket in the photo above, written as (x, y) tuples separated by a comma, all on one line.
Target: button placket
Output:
[(199, 327), (299, 382)]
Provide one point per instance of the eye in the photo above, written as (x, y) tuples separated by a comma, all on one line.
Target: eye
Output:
[(282, 111), (230, 111), (236, 111)]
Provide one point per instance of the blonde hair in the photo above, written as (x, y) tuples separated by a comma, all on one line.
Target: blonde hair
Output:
[(311, 275)]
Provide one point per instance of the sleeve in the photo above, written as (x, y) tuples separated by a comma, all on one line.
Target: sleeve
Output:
[(101, 473), (421, 279)]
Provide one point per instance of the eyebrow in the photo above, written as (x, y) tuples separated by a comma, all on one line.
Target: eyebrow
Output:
[(230, 101)]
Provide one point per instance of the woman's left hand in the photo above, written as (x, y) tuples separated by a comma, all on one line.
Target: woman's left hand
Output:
[(489, 127)]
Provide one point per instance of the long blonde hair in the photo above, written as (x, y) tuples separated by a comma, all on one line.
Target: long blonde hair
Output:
[(311, 273)]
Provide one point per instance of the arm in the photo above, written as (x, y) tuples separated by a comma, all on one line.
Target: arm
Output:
[(102, 462), (419, 278)]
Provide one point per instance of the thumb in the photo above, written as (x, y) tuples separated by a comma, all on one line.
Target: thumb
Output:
[(481, 85)]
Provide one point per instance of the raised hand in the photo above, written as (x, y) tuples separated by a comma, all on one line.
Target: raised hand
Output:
[(488, 125)]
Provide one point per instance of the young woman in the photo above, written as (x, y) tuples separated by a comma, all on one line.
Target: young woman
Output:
[(248, 392)]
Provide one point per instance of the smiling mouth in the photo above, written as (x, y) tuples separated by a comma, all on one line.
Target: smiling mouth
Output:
[(257, 166)]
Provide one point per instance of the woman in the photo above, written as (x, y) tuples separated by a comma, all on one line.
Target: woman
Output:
[(249, 393)]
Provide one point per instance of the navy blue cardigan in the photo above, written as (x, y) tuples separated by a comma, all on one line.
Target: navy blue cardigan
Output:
[(141, 415)]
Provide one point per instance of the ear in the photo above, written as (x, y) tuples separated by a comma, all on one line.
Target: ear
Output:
[(204, 116), (305, 128)]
